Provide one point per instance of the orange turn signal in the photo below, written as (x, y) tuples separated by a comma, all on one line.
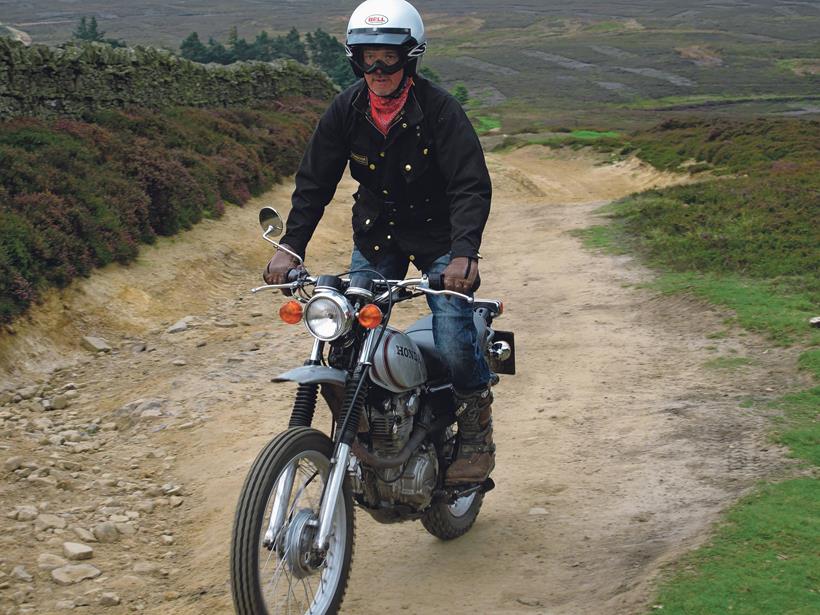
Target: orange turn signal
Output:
[(291, 312), (370, 316)]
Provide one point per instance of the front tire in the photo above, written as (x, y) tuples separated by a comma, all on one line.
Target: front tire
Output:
[(448, 521), (277, 578)]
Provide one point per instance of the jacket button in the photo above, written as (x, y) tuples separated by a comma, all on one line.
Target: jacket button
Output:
[(376, 248), (372, 167), (425, 151), (408, 168), (390, 237), (367, 221), (404, 125), (411, 257), (381, 154), (429, 219), (385, 192), (392, 223)]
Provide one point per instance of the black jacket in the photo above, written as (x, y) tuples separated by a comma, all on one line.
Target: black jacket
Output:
[(424, 190)]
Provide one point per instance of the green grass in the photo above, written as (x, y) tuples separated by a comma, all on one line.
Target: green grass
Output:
[(750, 244), (761, 561), (758, 305), (704, 100), (799, 426), (727, 363), (484, 124)]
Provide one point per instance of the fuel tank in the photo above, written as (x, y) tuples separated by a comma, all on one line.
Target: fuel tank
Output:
[(397, 363)]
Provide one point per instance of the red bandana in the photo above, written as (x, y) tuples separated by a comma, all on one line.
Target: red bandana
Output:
[(384, 109)]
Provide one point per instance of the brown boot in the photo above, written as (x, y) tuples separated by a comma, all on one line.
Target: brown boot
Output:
[(476, 451)]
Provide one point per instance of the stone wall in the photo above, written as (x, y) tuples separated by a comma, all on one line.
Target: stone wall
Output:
[(74, 80)]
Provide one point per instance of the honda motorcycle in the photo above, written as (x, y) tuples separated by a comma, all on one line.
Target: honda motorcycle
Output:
[(392, 437)]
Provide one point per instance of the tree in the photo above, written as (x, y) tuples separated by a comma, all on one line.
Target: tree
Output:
[(461, 94), (89, 31), (328, 54), (429, 74), (193, 49), (295, 47)]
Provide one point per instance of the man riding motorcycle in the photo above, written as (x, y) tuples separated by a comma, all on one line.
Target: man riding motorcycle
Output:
[(424, 197)]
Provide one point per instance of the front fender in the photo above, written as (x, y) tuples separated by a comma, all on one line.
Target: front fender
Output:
[(313, 374)]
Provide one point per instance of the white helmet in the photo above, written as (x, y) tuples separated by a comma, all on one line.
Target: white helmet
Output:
[(389, 23)]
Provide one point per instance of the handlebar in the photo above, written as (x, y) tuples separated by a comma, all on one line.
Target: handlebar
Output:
[(426, 285)]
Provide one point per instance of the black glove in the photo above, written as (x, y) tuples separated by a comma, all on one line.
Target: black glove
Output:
[(461, 275)]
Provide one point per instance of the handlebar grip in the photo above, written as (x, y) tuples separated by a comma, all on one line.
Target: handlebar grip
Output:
[(293, 274), (436, 282)]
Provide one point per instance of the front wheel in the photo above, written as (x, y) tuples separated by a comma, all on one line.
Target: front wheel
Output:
[(274, 569), (447, 520)]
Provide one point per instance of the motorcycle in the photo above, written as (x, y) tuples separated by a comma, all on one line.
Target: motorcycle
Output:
[(392, 437)]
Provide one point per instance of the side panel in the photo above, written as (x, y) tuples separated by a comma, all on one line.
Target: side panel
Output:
[(397, 364)]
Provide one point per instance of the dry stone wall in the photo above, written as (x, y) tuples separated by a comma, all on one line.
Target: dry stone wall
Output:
[(74, 80)]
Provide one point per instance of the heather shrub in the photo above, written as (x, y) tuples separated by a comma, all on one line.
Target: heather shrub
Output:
[(75, 195)]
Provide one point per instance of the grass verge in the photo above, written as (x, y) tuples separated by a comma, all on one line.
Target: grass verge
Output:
[(749, 244)]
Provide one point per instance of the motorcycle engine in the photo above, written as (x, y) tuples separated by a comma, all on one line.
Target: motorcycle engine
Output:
[(390, 423)]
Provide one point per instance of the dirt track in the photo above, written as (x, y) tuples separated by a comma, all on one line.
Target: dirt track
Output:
[(617, 447)]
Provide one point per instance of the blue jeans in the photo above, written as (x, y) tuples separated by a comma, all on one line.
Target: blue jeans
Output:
[(453, 328)]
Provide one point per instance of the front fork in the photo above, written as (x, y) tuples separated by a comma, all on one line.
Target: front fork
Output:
[(354, 401)]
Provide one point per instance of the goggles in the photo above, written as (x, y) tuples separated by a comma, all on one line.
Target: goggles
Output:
[(387, 69)]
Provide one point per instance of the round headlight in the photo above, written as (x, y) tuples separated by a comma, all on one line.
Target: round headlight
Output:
[(328, 316)]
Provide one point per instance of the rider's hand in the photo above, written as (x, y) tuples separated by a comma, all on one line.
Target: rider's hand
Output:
[(461, 275), (277, 270)]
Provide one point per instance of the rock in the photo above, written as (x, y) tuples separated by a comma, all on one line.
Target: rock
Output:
[(13, 463), (139, 347), (180, 326), (106, 532), (126, 529), (28, 392), (21, 574), (118, 519), (74, 573), (109, 599), (143, 567), (145, 506), (59, 402), (201, 343), (167, 539), (171, 489), (77, 551), (48, 562), (42, 424), (26, 513), (95, 344), (84, 534), (175, 501), (179, 362), (48, 521), (538, 511), (65, 605), (225, 324), (5, 397)]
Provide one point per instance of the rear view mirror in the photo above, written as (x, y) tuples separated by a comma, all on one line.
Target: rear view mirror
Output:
[(270, 221)]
